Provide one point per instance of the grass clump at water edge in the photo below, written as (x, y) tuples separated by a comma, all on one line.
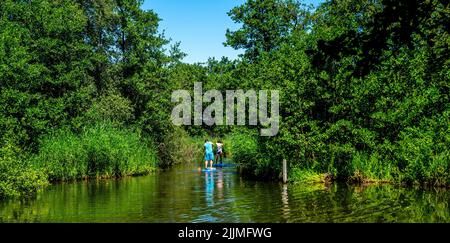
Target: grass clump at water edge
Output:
[(99, 151)]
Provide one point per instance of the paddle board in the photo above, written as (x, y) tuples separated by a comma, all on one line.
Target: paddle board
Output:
[(223, 165), (209, 170)]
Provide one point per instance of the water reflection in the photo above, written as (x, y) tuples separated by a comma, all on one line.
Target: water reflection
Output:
[(285, 200), (186, 195), (209, 184), (220, 184)]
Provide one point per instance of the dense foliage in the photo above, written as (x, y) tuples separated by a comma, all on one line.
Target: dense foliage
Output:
[(18, 178), (72, 65), (98, 152), (364, 90)]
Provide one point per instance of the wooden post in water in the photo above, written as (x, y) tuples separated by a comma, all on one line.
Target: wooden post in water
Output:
[(284, 171)]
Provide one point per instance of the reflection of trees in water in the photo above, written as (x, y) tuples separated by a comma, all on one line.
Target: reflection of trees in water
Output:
[(122, 200), (374, 203), (180, 197), (339, 203)]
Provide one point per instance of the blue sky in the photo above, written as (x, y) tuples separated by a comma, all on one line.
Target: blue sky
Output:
[(199, 25)]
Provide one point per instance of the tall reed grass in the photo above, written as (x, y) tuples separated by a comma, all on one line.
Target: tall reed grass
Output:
[(100, 151)]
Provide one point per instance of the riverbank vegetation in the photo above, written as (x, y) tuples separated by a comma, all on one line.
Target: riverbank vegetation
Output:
[(67, 68), (364, 88), (17, 177), (97, 152), (364, 91)]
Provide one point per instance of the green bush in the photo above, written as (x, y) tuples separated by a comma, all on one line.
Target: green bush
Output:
[(17, 178), (99, 151), (179, 147), (365, 168), (244, 147), (111, 107), (306, 176), (424, 158)]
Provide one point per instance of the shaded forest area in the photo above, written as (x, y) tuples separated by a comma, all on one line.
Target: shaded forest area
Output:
[(85, 88)]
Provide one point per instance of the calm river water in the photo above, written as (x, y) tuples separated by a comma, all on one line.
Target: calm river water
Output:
[(184, 194)]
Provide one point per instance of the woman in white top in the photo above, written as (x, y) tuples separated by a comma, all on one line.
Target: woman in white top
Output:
[(219, 153)]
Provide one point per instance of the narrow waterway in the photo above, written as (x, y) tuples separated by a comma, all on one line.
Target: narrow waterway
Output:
[(184, 194)]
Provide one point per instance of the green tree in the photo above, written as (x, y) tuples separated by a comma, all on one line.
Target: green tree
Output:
[(364, 90), (44, 65), (266, 24)]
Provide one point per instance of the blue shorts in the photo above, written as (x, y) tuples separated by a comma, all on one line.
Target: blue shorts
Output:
[(209, 156)]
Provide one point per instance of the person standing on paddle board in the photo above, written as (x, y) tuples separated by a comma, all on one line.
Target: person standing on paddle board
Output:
[(209, 155), (219, 153)]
